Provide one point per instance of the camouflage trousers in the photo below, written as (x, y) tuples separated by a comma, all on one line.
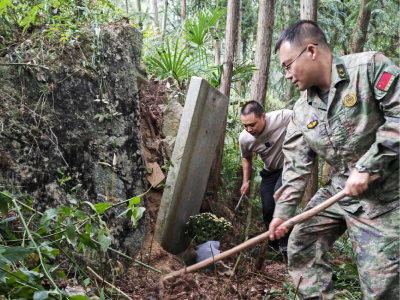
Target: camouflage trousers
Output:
[(375, 244)]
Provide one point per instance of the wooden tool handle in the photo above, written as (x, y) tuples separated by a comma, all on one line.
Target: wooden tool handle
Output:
[(262, 237)]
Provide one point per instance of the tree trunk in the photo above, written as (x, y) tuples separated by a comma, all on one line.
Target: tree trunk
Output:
[(217, 52), (138, 10), (361, 29), (164, 23), (239, 42), (289, 94), (217, 59), (127, 8), (308, 10), (244, 47), (231, 24), (263, 50), (288, 10), (183, 11), (154, 14), (226, 80)]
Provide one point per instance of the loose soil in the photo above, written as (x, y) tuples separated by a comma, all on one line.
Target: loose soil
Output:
[(226, 282)]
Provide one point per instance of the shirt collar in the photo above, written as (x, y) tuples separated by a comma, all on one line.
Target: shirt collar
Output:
[(338, 73)]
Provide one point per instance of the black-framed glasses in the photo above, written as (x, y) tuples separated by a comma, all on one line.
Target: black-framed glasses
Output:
[(286, 68)]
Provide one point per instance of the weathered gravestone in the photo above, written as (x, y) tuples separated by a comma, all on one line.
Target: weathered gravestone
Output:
[(199, 131)]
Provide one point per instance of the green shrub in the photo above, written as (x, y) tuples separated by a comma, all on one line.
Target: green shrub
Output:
[(207, 227)]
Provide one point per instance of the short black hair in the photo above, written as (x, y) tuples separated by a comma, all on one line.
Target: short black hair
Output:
[(300, 31), (252, 107)]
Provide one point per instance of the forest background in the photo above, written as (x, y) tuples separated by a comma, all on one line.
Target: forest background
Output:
[(226, 42)]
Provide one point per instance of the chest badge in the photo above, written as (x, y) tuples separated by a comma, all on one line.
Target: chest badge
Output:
[(349, 100), (312, 124)]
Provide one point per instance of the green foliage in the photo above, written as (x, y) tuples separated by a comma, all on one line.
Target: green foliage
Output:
[(240, 73), (207, 227), (62, 18), (175, 62), (346, 277), (27, 257), (197, 29)]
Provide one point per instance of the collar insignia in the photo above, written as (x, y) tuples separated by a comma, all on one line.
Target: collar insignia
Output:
[(385, 81), (350, 100), (312, 124), (341, 71)]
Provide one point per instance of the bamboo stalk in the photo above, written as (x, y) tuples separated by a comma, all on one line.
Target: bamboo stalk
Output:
[(262, 237)]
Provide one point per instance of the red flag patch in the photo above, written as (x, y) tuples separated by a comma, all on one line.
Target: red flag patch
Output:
[(385, 81)]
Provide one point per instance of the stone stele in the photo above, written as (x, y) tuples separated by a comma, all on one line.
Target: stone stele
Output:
[(198, 135)]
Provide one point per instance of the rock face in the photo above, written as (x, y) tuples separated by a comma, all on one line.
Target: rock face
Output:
[(75, 116)]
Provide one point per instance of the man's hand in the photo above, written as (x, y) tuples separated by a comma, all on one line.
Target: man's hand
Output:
[(356, 183), (245, 188), (276, 233)]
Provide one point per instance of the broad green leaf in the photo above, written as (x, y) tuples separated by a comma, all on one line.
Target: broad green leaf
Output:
[(70, 230), (61, 275), (78, 297), (40, 295), (51, 252), (72, 200), (8, 220), (16, 253), (86, 239), (3, 204), (80, 214), (31, 276), (66, 211), (76, 187), (4, 3), (104, 240), (2, 273), (88, 227), (102, 296), (90, 204), (137, 213), (101, 207), (86, 282), (133, 201), (48, 215)]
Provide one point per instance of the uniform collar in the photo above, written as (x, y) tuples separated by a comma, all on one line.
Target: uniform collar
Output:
[(338, 73)]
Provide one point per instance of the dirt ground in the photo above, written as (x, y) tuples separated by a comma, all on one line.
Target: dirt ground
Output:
[(231, 279)]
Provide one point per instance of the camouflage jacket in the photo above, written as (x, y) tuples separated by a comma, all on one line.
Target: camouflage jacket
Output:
[(360, 125)]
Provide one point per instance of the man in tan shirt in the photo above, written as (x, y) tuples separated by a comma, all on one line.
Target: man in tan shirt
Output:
[(264, 135)]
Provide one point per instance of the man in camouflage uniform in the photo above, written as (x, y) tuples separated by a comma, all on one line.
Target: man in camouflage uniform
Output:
[(349, 116)]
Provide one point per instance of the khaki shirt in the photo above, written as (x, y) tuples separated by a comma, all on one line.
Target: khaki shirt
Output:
[(269, 144), (359, 125)]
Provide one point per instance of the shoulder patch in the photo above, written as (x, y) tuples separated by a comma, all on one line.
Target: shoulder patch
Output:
[(312, 124), (385, 81), (341, 71)]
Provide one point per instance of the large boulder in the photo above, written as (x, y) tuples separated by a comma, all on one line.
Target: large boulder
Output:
[(74, 116)]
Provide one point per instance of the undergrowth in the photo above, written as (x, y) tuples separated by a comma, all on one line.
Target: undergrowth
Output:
[(35, 246)]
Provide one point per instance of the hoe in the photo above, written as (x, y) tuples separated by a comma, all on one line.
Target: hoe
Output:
[(258, 239)]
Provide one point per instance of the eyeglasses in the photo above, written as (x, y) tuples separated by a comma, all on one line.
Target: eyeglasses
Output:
[(286, 68)]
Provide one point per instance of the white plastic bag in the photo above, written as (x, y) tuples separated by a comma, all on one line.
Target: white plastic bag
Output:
[(207, 250)]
